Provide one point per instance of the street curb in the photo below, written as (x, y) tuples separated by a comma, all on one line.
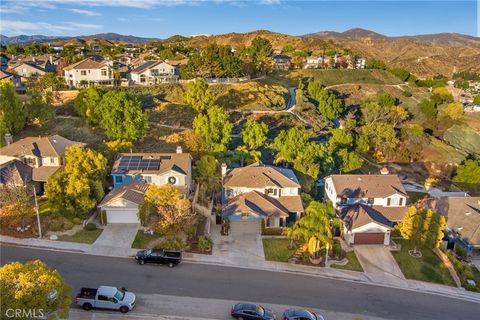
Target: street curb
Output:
[(304, 273)]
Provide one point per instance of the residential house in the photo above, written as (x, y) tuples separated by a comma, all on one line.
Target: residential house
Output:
[(261, 192), (156, 168), (369, 205), (88, 72), (14, 78), (314, 62), (33, 66), (282, 61), (45, 155), (154, 72), (16, 173), (121, 205), (463, 222)]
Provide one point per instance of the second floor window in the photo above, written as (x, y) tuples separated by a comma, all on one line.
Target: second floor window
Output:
[(52, 160), (83, 72), (371, 200), (104, 72)]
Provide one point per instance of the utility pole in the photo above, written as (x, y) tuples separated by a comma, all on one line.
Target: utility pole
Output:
[(326, 256), (36, 211)]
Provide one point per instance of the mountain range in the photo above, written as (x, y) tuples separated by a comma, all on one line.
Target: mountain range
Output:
[(106, 36)]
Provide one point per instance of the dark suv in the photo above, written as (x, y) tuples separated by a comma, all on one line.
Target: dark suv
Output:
[(250, 311), (300, 314)]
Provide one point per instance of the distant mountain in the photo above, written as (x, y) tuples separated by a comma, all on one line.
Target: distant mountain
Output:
[(105, 36), (351, 33)]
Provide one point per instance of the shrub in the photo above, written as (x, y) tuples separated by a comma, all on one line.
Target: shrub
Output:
[(56, 225), (407, 94), (90, 226), (77, 221), (337, 252), (173, 244), (67, 225), (204, 244), (225, 227), (272, 231)]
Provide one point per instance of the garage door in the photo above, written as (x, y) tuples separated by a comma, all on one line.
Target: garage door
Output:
[(369, 238), (122, 216)]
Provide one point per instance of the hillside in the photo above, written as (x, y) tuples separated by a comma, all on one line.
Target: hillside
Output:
[(58, 39)]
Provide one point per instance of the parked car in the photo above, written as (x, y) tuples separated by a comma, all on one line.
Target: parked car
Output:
[(300, 314), (106, 298), (168, 257), (249, 311)]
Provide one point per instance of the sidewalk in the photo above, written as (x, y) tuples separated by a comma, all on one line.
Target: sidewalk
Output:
[(338, 274)]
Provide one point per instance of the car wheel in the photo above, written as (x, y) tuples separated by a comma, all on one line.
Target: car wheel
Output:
[(171, 265), (123, 309), (141, 261), (87, 306)]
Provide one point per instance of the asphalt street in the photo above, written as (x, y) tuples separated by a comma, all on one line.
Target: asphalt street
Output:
[(238, 284)]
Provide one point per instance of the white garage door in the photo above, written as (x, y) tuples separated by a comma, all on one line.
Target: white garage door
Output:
[(122, 216)]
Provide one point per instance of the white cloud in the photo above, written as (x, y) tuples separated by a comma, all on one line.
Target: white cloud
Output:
[(85, 12), (269, 2), (15, 26), (84, 25)]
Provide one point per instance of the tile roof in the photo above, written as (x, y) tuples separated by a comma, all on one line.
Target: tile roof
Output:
[(359, 215), (463, 216), (367, 185), (258, 175), (179, 162), (133, 192), (53, 146), (87, 63), (16, 172), (255, 202)]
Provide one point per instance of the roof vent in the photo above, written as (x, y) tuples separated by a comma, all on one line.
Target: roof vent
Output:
[(384, 171), (468, 213), (54, 140)]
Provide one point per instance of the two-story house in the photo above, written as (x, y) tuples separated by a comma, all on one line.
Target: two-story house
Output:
[(369, 205), (45, 155), (132, 173), (282, 61), (87, 72), (259, 191), (153, 72)]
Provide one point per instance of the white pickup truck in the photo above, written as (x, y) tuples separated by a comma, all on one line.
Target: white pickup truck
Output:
[(106, 298)]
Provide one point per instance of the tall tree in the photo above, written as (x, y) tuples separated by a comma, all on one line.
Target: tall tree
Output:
[(39, 107), (34, 286), (261, 52), (289, 144), (122, 116), (12, 113), (16, 206), (214, 128), (468, 175), (329, 105), (255, 134), (199, 96), (87, 104)]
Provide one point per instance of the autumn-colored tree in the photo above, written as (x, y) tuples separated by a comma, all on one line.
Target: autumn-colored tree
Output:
[(168, 211), (85, 162), (454, 111), (16, 206), (34, 287)]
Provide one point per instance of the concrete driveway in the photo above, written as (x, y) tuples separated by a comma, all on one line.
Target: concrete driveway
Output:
[(117, 237), (378, 263)]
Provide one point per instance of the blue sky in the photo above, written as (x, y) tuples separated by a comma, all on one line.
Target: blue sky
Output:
[(163, 18)]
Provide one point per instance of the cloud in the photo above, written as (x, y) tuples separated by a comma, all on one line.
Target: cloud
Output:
[(17, 27), (269, 2), (85, 12)]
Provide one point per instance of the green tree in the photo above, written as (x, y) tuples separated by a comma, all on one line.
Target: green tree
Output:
[(340, 139), (12, 113), (199, 96), (476, 100), (14, 49), (468, 175), (454, 111), (39, 107), (350, 161), (34, 286), (214, 128), (112, 148), (329, 105), (255, 134), (87, 104), (381, 137), (313, 160), (289, 144), (122, 116), (261, 52), (428, 108), (85, 162)]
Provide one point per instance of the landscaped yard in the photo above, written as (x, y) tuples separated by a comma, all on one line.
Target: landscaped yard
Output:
[(141, 239), (415, 196), (427, 268), (277, 249), (353, 263), (83, 236)]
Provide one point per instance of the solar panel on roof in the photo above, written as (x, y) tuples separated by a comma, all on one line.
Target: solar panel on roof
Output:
[(165, 157)]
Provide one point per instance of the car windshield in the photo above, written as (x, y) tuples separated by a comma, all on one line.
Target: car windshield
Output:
[(260, 310), (119, 295), (148, 252)]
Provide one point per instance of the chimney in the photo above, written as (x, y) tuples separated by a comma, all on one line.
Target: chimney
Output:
[(384, 171), (179, 149), (224, 169), (34, 59), (50, 59), (8, 138)]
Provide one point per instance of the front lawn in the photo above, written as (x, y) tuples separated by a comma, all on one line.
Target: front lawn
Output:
[(277, 249), (83, 236), (353, 263), (142, 239), (428, 268)]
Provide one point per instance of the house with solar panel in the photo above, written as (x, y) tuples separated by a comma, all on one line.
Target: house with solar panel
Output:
[(155, 71)]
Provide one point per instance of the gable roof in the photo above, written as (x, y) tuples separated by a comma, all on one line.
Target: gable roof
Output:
[(146, 65), (15, 172), (133, 192), (255, 202), (178, 162), (359, 215), (6, 75), (53, 146), (87, 63), (258, 175), (36, 66), (367, 185), (463, 216)]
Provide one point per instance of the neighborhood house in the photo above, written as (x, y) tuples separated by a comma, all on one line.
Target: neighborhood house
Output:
[(154, 72), (87, 72)]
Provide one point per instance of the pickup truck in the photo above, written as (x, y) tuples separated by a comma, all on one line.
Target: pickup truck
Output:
[(106, 298), (168, 257)]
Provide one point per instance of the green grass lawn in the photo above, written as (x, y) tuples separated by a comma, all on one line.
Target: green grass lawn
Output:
[(428, 268), (353, 263), (83, 236), (141, 239), (277, 249)]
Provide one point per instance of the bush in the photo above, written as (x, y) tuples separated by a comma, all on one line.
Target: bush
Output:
[(77, 221), (67, 225), (407, 94), (204, 244), (225, 227), (173, 244), (272, 231), (56, 225), (337, 252), (90, 226)]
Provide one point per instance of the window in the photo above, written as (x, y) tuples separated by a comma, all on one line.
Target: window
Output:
[(118, 179), (83, 72), (271, 191), (29, 161), (148, 179), (393, 202), (52, 160), (370, 200), (142, 78), (104, 72), (102, 298)]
